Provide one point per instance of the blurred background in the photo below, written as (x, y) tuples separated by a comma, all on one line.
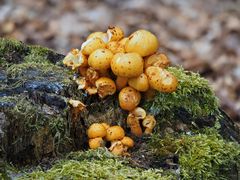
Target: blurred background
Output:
[(202, 36)]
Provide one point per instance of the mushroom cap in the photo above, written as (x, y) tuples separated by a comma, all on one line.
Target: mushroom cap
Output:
[(138, 113), (115, 33), (129, 98), (139, 83), (91, 45), (91, 75), (100, 35), (127, 141), (100, 59), (149, 121), (158, 60), (75, 59), (127, 65), (142, 42), (161, 80), (115, 47), (117, 148), (105, 86), (96, 130), (115, 133), (96, 143), (121, 82)]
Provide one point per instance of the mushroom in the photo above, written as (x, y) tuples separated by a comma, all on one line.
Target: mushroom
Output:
[(91, 90), (101, 35), (139, 83), (142, 42), (96, 130), (129, 98), (115, 133), (91, 75), (149, 123), (81, 82), (105, 86), (100, 59), (115, 33), (115, 47), (117, 148), (133, 120), (161, 80), (91, 45), (127, 143), (75, 59), (127, 65), (121, 82), (158, 60), (96, 143)]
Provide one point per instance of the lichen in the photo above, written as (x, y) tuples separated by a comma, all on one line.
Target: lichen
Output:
[(194, 97), (95, 164), (203, 155)]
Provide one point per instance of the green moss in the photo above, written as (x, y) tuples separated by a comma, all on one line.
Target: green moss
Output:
[(95, 164), (193, 96), (201, 156)]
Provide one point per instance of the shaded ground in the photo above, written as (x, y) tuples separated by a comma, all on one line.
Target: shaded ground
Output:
[(201, 35)]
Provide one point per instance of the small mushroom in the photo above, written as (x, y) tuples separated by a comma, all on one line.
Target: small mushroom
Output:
[(127, 65), (81, 82), (161, 80), (149, 123), (115, 47), (100, 59), (129, 98), (75, 59), (127, 143), (133, 120), (76, 107), (96, 143), (142, 42), (91, 76), (115, 33), (139, 83), (117, 148), (91, 90), (101, 35), (91, 45), (115, 133), (96, 130), (158, 60), (121, 82), (105, 86)]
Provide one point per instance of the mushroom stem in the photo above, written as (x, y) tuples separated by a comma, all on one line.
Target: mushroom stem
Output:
[(134, 125)]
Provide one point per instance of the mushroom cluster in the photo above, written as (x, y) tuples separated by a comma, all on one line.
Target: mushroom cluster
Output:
[(109, 63), (100, 133)]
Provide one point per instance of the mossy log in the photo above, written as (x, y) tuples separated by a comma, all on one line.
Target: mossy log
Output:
[(36, 122)]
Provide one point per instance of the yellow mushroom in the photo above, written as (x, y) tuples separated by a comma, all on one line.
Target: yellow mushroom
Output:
[(103, 36), (142, 42), (105, 86), (139, 83), (117, 148), (100, 59), (115, 33), (75, 59), (121, 82), (115, 47), (91, 90), (149, 123), (91, 45), (91, 76), (96, 143), (96, 130), (133, 120), (105, 125), (115, 133), (158, 60), (122, 42), (129, 98), (81, 82), (127, 65), (161, 80), (127, 143)]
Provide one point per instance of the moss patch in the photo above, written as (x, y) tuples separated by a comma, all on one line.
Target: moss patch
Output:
[(96, 164), (201, 156)]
